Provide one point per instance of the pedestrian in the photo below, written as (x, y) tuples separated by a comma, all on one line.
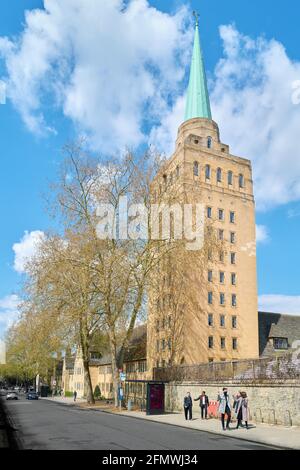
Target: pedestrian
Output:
[(75, 395), (224, 408), (203, 403), (242, 409), (188, 406)]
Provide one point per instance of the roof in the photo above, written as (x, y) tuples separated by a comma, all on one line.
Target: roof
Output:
[(136, 351), (277, 325), (197, 104)]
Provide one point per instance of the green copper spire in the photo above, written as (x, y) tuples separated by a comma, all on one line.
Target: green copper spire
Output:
[(197, 104)]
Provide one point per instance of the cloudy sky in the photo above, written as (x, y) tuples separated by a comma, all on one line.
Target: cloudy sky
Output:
[(116, 71)]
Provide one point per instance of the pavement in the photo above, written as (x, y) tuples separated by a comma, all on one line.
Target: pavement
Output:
[(266, 434), (59, 424)]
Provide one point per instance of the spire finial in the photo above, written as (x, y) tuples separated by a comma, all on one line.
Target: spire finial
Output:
[(196, 15)]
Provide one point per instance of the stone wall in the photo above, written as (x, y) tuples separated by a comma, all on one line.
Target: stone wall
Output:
[(271, 403)]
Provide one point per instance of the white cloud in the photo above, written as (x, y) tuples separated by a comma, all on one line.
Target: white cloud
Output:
[(8, 311), (26, 248), (279, 304), (262, 235), (110, 65)]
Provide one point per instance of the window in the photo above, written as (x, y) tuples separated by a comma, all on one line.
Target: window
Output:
[(233, 300), (241, 181), (230, 178), (157, 345), (157, 326), (234, 343), (169, 344), (221, 235), (222, 321), (234, 321), (209, 142), (163, 344), (232, 217), (210, 319), (165, 180), (169, 322), (232, 237), (210, 298), (209, 212), (232, 258), (221, 214), (210, 342), (177, 171), (219, 175), (233, 279), (280, 343), (221, 256), (196, 169), (223, 343), (207, 172), (222, 298), (210, 276), (209, 255), (222, 277)]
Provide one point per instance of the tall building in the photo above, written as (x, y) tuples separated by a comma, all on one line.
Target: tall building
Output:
[(219, 319)]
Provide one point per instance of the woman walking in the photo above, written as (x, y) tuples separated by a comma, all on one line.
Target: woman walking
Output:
[(242, 409)]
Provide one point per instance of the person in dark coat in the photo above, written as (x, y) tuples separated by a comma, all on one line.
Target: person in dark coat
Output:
[(242, 409), (188, 406), (203, 403), (75, 395)]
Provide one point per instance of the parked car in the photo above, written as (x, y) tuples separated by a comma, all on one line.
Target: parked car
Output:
[(32, 396), (12, 396)]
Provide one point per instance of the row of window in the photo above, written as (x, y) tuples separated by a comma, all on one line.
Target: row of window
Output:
[(222, 320), (219, 175), (222, 299), (132, 367), (163, 323), (221, 215), (211, 343), (210, 277), (232, 257)]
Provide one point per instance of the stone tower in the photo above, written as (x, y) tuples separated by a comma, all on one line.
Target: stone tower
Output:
[(222, 323)]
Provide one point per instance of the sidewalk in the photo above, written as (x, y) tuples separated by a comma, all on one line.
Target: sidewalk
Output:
[(277, 436)]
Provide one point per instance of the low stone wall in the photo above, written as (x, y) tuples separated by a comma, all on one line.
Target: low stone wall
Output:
[(272, 403)]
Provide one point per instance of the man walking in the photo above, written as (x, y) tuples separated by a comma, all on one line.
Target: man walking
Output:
[(188, 406), (75, 395), (203, 403), (224, 408)]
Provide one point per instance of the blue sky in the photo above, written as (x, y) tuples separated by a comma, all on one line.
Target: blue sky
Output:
[(59, 88)]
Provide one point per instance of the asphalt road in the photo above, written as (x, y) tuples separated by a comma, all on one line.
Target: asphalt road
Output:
[(46, 425)]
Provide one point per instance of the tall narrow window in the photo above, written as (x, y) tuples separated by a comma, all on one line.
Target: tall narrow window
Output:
[(210, 342), (233, 279), (209, 142), (207, 172), (222, 277), (223, 343), (230, 178), (241, 181), (234, 321), (196, 169), (222, 298), (222, 321), (221, 214), (219, 175), (210, 298), (210, 319), (233, 258), (221, 235), (232, 217), (234, 343), (210, 276), (209, 212), (233, 300), (232, 237)]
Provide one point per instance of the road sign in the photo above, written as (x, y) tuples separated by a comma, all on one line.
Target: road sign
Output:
[(122, 376)]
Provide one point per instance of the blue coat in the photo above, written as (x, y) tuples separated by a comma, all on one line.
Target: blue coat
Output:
[(222, 402)]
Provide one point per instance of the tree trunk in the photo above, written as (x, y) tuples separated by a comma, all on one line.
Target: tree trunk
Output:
[(88, 382), (115, 375)]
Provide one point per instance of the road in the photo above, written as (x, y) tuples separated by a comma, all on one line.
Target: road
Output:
[(45, 425)]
